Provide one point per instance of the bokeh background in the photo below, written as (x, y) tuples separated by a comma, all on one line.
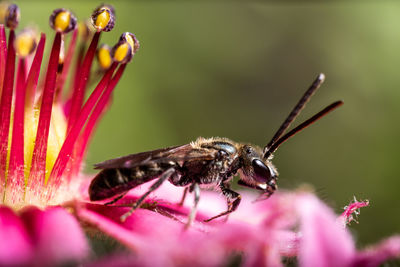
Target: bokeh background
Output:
[(235, 69)]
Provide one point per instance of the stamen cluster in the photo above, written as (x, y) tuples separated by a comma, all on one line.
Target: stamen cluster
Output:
[(44, 132)]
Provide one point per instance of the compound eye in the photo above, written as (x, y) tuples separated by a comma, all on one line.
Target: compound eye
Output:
[(262, 174)]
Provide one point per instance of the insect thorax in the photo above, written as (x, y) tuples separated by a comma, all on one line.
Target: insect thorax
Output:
[(223, 165)]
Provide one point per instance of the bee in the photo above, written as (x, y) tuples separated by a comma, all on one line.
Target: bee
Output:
[(211, 161)]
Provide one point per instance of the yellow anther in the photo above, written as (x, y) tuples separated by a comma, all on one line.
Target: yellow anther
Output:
[(3, 11), (12, 16), (62, 21), (104, 56), (121, 52), (130, 40), (84, 30), (102, 19), (25, 43)]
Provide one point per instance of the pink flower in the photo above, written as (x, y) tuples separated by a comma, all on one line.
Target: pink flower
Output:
[(43, 137), (288, 224), (45, 205)]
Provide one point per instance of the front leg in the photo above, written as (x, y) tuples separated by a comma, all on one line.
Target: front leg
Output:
[(195, 188), (232, 198)]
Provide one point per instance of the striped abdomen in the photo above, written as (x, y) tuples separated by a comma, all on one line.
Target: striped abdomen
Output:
[(112, 182)]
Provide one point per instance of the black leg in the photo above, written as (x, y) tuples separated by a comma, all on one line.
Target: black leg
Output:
[(156, 185), (115, 199), (183, 196), (196, 191), (233, 200)]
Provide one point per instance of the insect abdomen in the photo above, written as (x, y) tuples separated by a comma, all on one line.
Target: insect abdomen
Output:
[(112, 182)]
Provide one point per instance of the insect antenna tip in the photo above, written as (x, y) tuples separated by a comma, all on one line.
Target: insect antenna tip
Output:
[(321, 77)]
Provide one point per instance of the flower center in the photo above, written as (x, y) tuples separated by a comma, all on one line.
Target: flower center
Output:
[(44, 136)]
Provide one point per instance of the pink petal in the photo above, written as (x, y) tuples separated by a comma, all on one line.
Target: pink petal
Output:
[(92, 215), (56, 235), (288, 243), (255, 231), (160, 241), (15, 246), (324, 242), (376, 255)]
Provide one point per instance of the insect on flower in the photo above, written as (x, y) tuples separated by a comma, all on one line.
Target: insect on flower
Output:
[(205, 161)]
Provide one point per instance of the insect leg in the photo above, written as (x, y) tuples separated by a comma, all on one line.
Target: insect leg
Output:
[(183, 196), (233, 199), (196, 190), (165, 176), (115, 199)]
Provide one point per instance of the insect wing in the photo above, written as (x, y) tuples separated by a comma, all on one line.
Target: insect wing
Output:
[(176, 154)]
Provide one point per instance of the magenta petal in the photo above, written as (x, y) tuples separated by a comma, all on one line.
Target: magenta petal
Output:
[(56, 235), (324, 241), (92, 214), (376, 255), (15, 246)]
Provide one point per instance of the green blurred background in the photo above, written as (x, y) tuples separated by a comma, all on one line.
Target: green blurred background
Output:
[(235, 69)]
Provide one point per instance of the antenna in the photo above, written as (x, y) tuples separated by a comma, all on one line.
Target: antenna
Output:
[(302, 126), (296, 110)]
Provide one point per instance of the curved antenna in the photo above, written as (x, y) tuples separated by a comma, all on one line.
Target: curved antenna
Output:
[(303, 125), (296, 110)]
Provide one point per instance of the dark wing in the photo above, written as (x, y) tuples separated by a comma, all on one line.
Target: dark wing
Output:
[(176, 154)]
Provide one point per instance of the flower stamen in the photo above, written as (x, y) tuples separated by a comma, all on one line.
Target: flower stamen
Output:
[(66, 65), (5, 109), (62, 20), (12, 16), (37, 176), (104, 56), (103, 18), (66, 149), (3, 52)]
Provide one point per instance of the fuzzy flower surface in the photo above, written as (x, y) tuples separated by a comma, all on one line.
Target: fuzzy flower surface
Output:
[(45, 209)]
